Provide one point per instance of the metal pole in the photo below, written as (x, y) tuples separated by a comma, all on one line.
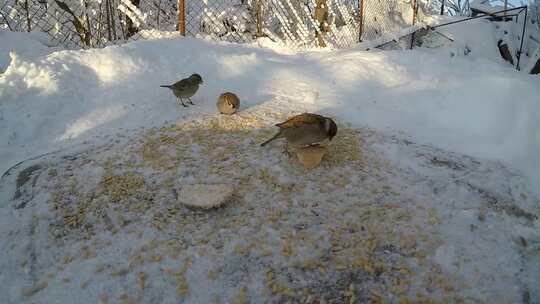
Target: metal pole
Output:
[(182, 17), (478, 16), (442, 7), (522, 38), (505, 8), (361, 16)]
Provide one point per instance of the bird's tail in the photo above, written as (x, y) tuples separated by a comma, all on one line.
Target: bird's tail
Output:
[(271, 139), (165, 86)]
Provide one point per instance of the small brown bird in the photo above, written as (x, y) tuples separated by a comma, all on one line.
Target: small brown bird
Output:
[(228, 103), (185, 88), (305, 129)]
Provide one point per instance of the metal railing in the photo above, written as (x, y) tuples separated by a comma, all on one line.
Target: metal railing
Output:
[(517, 10)]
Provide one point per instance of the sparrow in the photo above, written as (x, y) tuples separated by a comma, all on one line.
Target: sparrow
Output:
[(228, 103), (185, 88), (305, 129)]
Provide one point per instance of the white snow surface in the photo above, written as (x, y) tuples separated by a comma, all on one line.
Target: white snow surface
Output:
[(475, 104), (26, 45), (449, 145)]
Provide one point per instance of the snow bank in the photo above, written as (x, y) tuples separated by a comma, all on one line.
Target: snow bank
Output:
[(26, 45), (462, 97)]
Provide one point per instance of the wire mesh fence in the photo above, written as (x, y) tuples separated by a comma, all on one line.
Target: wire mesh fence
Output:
[(383, 17), (90, 23), (303, 23), (298, 23)]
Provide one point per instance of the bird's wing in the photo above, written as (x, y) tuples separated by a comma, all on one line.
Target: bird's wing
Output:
[(232, 101), (301, 120), (181, 85)]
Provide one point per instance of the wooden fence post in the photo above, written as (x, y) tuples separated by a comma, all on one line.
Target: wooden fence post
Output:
[(182, 17), (361, 17), (415, 13), (28, 20)]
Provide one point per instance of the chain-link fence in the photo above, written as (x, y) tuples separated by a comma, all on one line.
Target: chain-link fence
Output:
[(90, 23), (303, 23), (298, 23), (309, 23)]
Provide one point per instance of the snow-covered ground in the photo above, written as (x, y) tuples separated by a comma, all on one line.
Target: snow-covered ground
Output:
[(475, 104), (430, 190)]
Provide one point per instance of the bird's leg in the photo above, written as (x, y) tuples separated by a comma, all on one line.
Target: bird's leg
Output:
[(181, 102), (286, 150), (189, 101)]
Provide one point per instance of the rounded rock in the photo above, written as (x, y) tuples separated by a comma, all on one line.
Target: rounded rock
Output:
[(205, 196)]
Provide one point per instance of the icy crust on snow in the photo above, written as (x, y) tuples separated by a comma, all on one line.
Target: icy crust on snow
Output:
[(381, 219)]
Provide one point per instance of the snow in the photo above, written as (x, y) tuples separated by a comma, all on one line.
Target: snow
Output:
[(436, 154), (133, 13), (485, 6), (434, 97), (27, 45)]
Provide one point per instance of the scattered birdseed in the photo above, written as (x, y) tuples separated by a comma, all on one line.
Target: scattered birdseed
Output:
[(27, 292), (141, 279), (355, 245), (103, 298)]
